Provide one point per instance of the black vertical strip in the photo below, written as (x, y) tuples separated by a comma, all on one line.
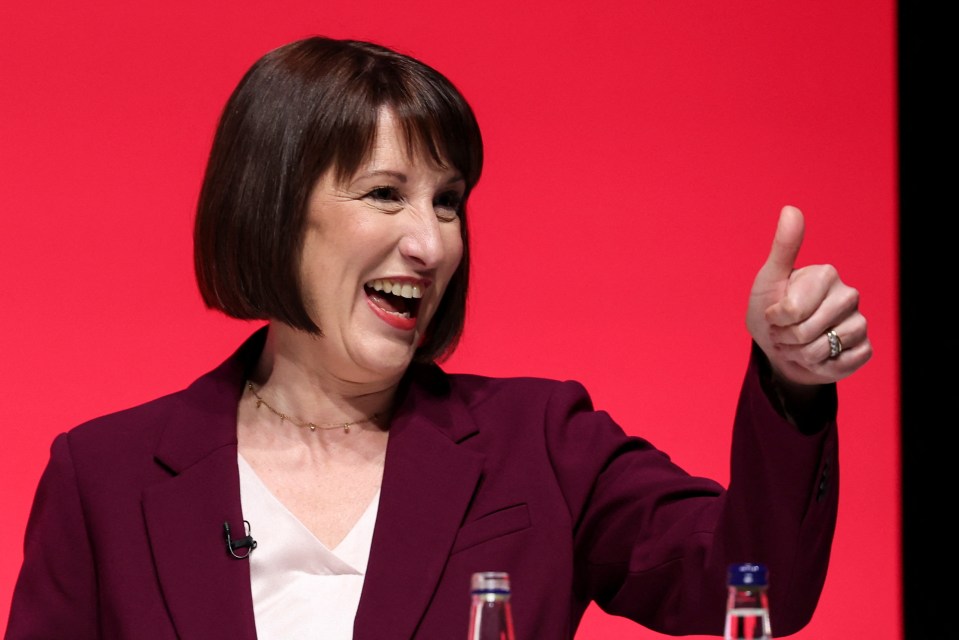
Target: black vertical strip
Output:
[(929, 250)]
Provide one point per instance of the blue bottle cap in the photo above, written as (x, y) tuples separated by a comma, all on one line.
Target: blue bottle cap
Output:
[(747, 575)]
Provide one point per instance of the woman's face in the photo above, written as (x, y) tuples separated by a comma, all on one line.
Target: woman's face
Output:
[(378, 252)]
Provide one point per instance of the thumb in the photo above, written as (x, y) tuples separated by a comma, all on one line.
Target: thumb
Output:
[(786, 243)]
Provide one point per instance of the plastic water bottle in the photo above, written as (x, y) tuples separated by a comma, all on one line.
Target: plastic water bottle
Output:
[(491, 615), (747, 604)]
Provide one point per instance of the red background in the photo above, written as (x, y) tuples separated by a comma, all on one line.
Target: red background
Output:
[(638, 154)]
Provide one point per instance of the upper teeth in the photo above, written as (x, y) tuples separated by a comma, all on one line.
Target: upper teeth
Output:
[(402, 289)]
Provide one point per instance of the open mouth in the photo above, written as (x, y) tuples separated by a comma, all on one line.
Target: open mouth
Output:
[(394, 297)]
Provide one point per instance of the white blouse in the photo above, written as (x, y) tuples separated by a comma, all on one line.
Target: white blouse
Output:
[(302, 589)]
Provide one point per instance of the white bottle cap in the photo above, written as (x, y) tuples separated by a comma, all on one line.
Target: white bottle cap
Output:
[(490, 582)]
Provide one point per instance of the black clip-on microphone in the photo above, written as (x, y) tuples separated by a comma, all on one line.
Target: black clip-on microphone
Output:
[(246, 542)]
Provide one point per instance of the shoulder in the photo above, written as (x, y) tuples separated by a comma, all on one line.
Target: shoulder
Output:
[(137, 425), (480, 387), (522, 407), (110, 455), (207, 406), (479, 392)]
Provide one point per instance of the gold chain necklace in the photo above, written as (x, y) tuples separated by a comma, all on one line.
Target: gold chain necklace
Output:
[(312, 426)]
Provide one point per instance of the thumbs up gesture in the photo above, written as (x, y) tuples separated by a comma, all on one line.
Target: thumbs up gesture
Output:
[(805, 320)]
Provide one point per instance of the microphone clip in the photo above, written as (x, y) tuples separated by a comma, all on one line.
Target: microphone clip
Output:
[(246, 542)]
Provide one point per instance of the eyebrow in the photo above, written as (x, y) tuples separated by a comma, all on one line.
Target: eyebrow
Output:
[(399, 175)]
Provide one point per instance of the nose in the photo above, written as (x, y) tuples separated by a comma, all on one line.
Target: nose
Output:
[(426, 240)]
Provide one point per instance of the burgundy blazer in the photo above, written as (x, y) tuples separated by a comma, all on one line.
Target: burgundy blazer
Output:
[(125, 538)]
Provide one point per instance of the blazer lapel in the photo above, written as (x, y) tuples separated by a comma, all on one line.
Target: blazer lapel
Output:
[(428, 481), (206, 589)]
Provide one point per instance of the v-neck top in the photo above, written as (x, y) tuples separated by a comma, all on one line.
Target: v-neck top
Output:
[(302, 589)]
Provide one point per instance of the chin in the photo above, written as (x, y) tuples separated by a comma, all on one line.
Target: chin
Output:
[(385, 359)]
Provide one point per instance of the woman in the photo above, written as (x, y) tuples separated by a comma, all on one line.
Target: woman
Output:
[(330, 480)]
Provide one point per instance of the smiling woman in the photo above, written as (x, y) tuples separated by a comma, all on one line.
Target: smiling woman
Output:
[(375, 483), (309, 109), (356, 260)]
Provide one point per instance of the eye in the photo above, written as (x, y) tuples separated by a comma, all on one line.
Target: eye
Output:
[(385, 197), (448, 205), (386, 194)]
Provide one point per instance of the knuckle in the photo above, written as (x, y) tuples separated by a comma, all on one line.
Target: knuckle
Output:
[(788, 307), (810, 355), (851, 298)]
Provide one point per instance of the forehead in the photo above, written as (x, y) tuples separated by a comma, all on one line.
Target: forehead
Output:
[(395, 144)]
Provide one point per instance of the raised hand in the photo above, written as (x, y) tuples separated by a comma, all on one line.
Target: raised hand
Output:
[(806, 320)]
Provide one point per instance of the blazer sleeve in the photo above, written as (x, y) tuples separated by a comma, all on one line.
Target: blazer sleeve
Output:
[(653, 543), (57, 586)]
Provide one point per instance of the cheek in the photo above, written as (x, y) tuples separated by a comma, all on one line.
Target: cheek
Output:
[(452, 257), (454, 251)]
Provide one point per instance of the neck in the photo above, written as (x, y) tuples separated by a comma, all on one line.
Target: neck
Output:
[(292, 376)]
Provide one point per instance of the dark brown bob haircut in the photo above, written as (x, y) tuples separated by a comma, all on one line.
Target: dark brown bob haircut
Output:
[(305, 108)]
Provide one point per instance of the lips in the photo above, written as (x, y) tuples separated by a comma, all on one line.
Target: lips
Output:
[(396, 301)]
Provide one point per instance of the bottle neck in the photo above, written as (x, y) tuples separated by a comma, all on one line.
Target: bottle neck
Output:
[(491, 618), (491, 615), (750, 598), (490, 597), (747, 614)]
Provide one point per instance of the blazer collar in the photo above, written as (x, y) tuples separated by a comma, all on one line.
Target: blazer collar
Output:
[(204, 418), (207, 590), (428, 482), (212, 401)]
